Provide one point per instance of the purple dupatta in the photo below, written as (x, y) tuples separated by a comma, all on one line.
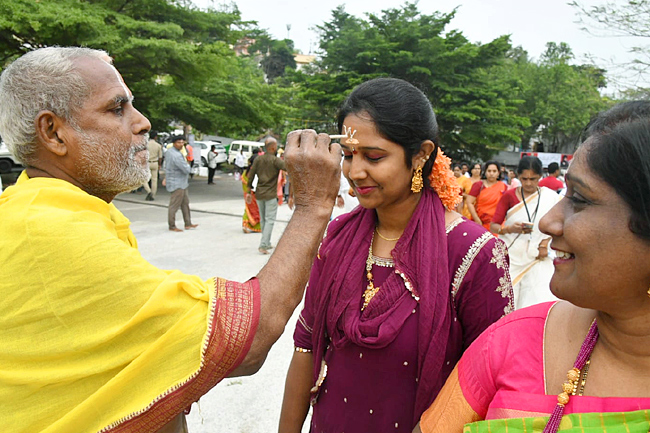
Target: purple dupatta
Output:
[(421, 271)]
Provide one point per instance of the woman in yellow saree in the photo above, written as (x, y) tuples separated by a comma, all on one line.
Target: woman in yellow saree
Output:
[(578, 365)]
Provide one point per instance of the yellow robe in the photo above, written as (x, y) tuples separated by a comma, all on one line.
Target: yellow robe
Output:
[(95, 338)]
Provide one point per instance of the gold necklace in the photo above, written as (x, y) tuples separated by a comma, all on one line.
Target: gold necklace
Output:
[(371, 290), (385, 238)]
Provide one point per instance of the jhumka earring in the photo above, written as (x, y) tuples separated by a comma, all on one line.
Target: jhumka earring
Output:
[(416, 181)]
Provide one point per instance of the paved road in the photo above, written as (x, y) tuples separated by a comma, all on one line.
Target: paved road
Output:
[(217, 247)]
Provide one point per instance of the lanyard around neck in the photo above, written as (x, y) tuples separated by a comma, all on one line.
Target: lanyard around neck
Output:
[(523, 198)]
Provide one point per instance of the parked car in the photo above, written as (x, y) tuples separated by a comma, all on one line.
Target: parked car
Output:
[(204, 147), (7, 161), (245, 146)]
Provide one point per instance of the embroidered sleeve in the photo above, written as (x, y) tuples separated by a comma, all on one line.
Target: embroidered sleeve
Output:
[(481, 287)]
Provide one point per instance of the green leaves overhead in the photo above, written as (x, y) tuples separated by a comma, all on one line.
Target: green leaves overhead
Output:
[(474, 113), (176, 58)]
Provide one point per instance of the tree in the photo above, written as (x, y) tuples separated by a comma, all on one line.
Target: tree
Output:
[(476, 115), (559, 98), (629, 18), (176, 58), (277, 55)]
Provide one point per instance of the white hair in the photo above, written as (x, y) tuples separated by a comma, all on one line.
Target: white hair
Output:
[(43, 79)]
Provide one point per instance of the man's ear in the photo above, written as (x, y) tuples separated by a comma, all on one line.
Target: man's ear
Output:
[(51, 131)]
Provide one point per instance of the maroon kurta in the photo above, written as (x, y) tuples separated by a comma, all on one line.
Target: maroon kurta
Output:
[(372, 387)]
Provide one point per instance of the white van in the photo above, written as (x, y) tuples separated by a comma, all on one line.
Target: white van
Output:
[(246, 147)]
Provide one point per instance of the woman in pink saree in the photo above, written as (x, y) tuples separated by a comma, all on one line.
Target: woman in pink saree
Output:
[(581, 364)]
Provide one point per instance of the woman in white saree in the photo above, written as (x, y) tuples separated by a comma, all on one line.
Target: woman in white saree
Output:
[(516, 222)]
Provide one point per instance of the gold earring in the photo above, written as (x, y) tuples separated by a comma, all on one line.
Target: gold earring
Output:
[(649, 293), (416, 182)]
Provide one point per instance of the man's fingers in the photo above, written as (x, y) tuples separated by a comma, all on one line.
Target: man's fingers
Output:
[(293, 139), (323, 142), (307, 136), (335, 151)]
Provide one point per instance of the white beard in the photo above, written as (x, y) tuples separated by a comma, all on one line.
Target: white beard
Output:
[(103, 172)]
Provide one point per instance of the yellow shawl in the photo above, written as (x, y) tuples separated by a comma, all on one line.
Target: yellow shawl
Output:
[(95, 338)]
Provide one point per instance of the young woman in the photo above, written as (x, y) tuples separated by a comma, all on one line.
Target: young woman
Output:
[(401, 285), (516, 220), (483, 198)]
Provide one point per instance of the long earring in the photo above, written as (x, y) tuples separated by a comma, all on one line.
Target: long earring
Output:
[(416, 182)]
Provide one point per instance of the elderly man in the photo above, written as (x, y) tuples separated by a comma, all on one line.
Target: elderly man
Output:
[(267, 168), (93, 336)]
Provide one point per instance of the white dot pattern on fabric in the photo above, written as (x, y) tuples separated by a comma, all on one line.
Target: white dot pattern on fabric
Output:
[(414, 311), (396, 425), (371, 411), (345, 399), (406, 363), (447, 362), (361, 355)]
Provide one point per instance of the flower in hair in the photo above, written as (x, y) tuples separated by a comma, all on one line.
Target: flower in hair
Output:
[(443, 181)]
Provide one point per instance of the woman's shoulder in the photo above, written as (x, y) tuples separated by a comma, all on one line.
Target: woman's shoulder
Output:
[(468, 242), (506, 334), (511, 194), (524, 318), (476, 188), (462, 233)]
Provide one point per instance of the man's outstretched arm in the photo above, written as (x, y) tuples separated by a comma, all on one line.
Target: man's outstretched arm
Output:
[(314, 167)]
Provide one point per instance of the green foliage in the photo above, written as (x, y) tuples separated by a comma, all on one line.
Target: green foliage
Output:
[(476, 115), (559, 98), (176, 58), (277, 56)]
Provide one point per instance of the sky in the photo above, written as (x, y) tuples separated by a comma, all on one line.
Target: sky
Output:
[(531, 23)]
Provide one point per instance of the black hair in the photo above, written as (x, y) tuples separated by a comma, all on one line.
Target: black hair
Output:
[(453, 166), (530, 163), (256, 151), (400, 112), (465, 163), (174, 138), (153, 134), (625, 147), (213, 147), (489, 163), (606, 120), (553, 167)]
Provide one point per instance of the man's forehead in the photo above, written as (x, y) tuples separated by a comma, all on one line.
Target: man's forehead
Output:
[(102, 76)]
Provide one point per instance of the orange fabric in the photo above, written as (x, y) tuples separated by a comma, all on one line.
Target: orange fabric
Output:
[(487, 200), (450, 411), (465, 184), (281, 182)]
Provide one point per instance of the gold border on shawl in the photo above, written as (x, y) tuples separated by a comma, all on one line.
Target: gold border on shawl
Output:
[(236, 317)]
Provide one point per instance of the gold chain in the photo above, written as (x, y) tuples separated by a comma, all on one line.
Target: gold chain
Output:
[(385, 238)]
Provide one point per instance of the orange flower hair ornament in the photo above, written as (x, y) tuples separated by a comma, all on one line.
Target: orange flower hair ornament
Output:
[(443, 181)]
